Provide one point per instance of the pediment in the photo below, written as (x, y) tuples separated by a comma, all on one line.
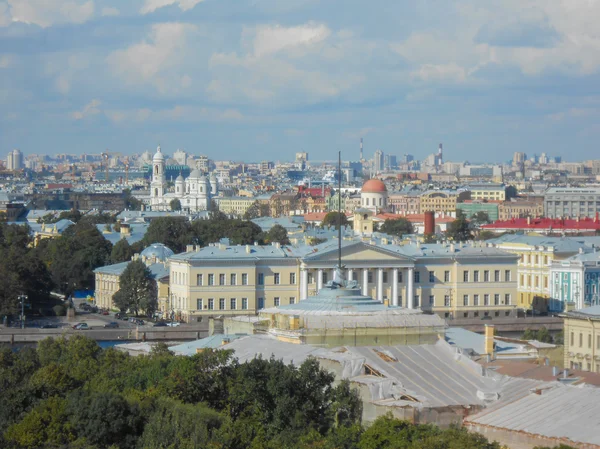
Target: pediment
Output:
[(358, 252)]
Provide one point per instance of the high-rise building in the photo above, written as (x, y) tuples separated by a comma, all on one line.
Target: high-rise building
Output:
[(180, 156), (14, 160), (378, 162)]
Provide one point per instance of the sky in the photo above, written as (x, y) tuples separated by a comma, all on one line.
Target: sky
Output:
[(262, 79)]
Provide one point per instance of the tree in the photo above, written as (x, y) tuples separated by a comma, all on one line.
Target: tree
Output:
[(277, 234), (480, 218), (173, 232), (175, 204), (334, 218), (397, 227), (121, 252), (459, 230), (510, 192), (131, 202), (137, 290), (252, 212), (265, 210)]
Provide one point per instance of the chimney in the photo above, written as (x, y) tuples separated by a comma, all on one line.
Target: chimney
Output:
[(489, 340), (528, 220), (565, 373), (452, 248), (189, 248), (248, 249), (555, 371)]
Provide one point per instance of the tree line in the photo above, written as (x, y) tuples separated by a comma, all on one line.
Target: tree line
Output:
[(69, 393)]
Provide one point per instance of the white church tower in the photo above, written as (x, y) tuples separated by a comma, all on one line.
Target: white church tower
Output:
[(158, 184)]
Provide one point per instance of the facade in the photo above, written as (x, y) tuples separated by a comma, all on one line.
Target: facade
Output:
[(575, 282), (235, 205), (537, 256), (572, 202), (490, 192), (107, 278), (194, 193), (405, 202), (462, 280), (582, 339), (374, 195), (472, 207), (520, 209), (438, 201)]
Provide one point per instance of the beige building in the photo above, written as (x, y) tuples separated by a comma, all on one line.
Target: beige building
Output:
[(438, 201), (107, 278), (582, 339), (490, 192), (408, 203), (236, 205), (520, 209), (462, 281)]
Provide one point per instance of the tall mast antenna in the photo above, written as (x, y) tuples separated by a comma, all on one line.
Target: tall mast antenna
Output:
[(340, 210)]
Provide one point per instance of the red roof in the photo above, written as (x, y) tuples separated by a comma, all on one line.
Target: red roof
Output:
[(318, 216), (554, 224), (374, 186), (413, 218)]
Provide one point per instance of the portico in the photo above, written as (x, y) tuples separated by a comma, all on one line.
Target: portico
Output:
[(383, 275)]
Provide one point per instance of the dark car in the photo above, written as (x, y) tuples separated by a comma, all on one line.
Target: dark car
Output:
[(160, 324), (112, 325), (49, 326), (124, 318)]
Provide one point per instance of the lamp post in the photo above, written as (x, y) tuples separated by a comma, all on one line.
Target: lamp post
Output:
[(22, 299)]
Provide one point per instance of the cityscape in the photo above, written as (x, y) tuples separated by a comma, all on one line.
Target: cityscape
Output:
[(299, 254)]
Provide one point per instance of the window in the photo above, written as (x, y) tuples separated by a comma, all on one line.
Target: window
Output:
[(465, 300), (446, 276), (447, 300), (324, 277), (507, 299), (211, 303), (276, 301), (233, 303), (506, 275), (221, 303), (261, 279), (211, 279), (486, 300), (431, 300), (244, 278), (580, 339), (400, 277), (417, 277), (476, 276), (431, 276), (198, 279), (475, 300), (486, 276), (497, 276), (292, 300), (233, 279), (475, 314), (199, 304), (369, 277), (416, 299), (244, 303), (589, 340), (261, 303), (221, 279), (572, 339), (311, 278), (465, 276), (496, 299), (292, 278)]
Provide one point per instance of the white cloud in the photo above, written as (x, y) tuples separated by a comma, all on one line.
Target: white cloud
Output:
[(178, 113), (65, 69), (108, 12), (440, 72), (156, 59), (153, 5), (90, 109), (46, 13), (272, 39)]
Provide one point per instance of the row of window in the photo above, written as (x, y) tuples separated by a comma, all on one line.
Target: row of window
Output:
[(589, 340), (211, 303), (476, 300), (486, 276), (233, 279), (526, 281), (535, 259)]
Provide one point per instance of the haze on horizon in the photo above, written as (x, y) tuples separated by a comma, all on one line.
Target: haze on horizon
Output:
[(263, 79)]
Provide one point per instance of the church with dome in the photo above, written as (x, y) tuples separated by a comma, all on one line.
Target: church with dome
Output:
[(194, 192)]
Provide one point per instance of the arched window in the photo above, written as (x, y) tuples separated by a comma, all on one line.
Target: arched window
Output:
[(155, 192), (380, 200), (365, 217), (156, 169)]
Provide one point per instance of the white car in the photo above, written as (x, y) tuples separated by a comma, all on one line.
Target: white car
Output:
[(173, 324)]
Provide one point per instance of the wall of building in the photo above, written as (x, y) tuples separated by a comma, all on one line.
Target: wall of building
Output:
[(582, 344)]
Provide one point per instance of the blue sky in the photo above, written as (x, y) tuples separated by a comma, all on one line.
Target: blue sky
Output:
[(262, 79)]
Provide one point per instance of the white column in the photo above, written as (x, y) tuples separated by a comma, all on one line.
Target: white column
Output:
[(380, 284), (365, 282), (395, 287), (349, 274), (319, 279), (410, 290), (303, 283)]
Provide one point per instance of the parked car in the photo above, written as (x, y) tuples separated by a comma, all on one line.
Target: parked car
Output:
[(124, 318), (82, 327), (112, 325), (160, 324), (49, 326), (105, 312), (173, 324)]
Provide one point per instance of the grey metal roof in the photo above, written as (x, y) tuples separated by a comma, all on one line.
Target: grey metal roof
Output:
[(593, 311), (238, 252), (465, 339), (212, 342), (157, 270), (158, 250)]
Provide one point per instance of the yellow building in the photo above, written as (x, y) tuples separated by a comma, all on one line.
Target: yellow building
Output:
[(535, 260), (438, 201), (51, 230), (236, 205), (490, 192), (582, 339), (463, 280), (107, 278)]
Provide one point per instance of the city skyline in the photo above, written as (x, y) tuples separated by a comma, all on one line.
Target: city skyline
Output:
[(214, 77)]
